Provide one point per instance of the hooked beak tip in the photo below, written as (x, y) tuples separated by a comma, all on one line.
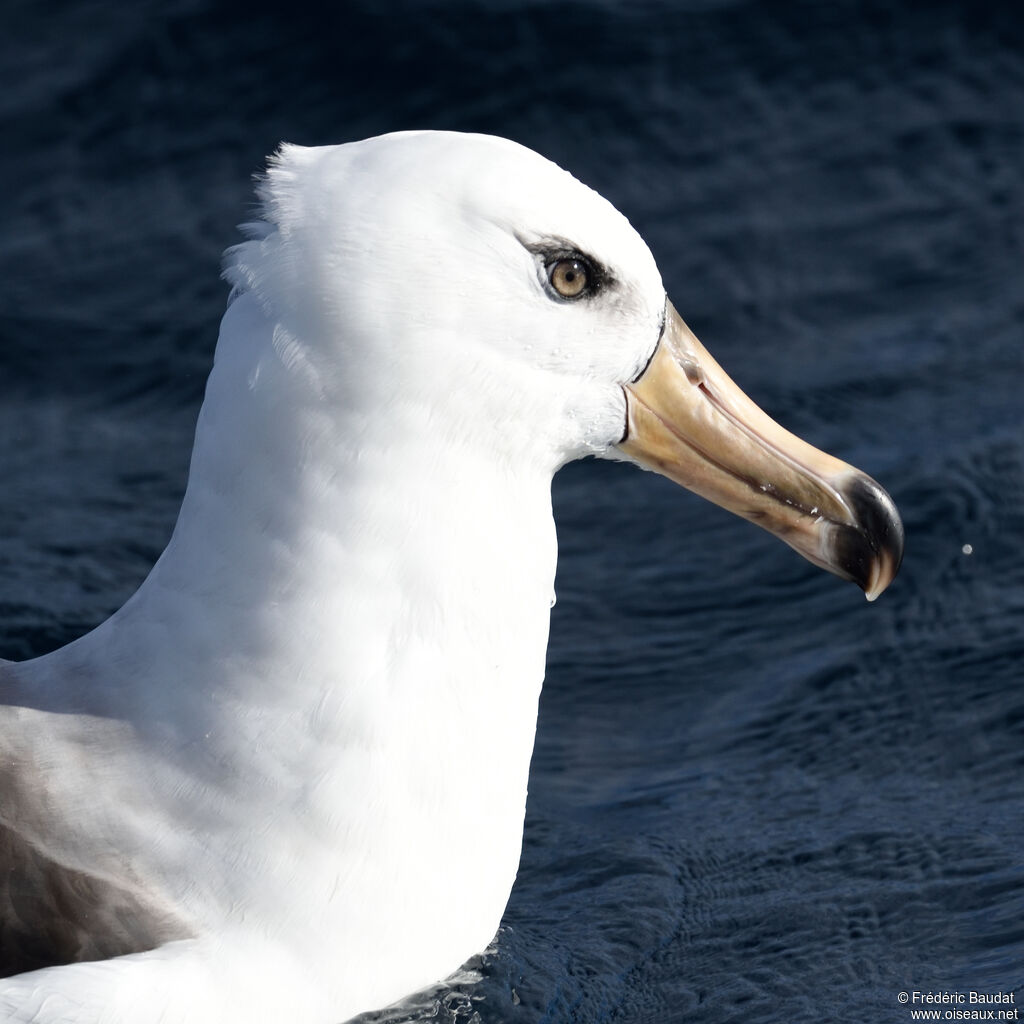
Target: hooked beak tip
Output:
[(871, 551)]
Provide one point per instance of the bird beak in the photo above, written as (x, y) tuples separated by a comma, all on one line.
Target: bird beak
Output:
[(686, 419)]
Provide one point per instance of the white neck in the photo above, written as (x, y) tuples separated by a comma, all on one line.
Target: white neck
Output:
[(322, 677), (365, 672), (293, 553)]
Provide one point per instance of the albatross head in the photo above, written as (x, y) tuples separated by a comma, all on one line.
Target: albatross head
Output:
[(341, 650), (510, 311)]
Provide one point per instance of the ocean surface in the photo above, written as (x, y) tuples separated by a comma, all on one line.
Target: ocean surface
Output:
[(755, 797)]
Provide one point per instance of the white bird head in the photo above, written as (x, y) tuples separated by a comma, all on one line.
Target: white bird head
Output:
[(449, 242), (340, 652), (513, 311)]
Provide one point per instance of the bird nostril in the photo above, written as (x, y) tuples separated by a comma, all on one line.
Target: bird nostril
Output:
[(692, 369)]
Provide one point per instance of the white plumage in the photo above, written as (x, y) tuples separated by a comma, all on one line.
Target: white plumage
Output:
[(247, 778), (341, 650)]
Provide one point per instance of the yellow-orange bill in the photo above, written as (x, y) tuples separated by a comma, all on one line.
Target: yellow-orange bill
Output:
[(689, 421)]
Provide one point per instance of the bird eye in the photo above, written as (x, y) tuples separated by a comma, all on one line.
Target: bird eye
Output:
[(571, 278)]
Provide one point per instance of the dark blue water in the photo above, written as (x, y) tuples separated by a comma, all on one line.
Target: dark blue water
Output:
[(754, 797)]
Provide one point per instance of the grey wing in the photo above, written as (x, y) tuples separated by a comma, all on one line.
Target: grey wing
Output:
[(51, 914)]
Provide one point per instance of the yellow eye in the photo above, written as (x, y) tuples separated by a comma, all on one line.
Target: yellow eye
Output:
[(569, 277)]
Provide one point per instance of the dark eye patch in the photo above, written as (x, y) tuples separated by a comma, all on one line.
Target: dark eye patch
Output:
[(569, 274)]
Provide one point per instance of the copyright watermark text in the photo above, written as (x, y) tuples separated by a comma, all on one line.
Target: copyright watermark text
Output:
[(969, 1005)]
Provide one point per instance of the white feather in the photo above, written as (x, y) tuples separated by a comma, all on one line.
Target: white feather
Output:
[(336, 663)]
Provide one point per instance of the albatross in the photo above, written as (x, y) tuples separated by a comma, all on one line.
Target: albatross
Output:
[(221, 805)]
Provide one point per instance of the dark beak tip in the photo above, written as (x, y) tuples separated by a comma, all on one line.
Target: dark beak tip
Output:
[(871, 551)]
